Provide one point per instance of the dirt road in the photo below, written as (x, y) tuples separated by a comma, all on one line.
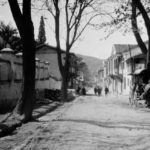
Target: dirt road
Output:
[(88, 123)]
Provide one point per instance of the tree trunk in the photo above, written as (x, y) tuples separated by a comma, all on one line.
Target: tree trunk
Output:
[(64, 87), (136, 30), (148, 55), (146, 19), (22, 18), (26, 103)]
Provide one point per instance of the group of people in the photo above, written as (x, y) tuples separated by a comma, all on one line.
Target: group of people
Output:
[(81, 90), (98, 90)]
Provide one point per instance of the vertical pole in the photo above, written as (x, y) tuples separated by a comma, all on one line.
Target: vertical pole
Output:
[(131, 59)]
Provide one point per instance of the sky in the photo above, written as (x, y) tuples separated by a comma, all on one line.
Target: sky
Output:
[(91, 43)]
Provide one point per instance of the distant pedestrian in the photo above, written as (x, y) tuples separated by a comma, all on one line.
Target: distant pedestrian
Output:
[(95, 90), (99, 90), (83, 91), (106, 91), (78, 89)]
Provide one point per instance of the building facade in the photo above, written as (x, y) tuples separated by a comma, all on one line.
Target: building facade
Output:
[(125, 60), (49, 53)]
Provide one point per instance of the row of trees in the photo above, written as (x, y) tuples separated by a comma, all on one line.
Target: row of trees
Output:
[(74, 12), (76, 16)]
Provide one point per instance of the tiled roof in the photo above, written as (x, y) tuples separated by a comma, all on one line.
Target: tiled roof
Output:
[(120, 48), (47, 47)]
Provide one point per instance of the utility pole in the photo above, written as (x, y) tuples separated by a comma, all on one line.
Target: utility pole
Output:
[(131, 59)]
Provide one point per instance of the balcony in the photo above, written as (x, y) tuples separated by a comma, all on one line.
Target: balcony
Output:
[(116, 76)]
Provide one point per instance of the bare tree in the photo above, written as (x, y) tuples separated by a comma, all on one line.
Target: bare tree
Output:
[(22, 18), (72, 17)]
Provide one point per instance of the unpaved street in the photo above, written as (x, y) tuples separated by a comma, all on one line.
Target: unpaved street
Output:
[(88, 123)]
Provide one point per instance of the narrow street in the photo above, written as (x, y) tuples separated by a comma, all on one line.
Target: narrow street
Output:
[(87, 123)]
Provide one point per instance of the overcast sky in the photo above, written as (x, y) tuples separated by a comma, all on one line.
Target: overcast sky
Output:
[(90, 44)]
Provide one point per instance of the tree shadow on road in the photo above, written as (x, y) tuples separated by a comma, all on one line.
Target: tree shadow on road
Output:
[(116, 125)]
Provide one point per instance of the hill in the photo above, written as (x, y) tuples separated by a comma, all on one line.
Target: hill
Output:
[(93, 63)]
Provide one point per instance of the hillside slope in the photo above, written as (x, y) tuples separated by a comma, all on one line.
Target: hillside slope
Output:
[(93, 63)]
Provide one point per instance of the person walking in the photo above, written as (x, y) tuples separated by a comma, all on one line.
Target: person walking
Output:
[(78, 89), (95, 90), (83, 90), (99, 90), (106, 91)]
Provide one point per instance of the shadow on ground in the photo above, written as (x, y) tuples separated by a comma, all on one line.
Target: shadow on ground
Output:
[(41, 108), (117, 125), (10, 125)]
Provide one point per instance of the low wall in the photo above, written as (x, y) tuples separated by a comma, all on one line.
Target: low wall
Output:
[(11, 77)]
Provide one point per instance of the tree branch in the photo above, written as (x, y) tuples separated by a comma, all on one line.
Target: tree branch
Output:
[(144, 15), (135, 29), (72, 14), (67, 25), (80, 33), (77, 18), (49, 8)]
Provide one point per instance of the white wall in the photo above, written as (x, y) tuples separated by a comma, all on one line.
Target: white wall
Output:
[(11, 77)]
